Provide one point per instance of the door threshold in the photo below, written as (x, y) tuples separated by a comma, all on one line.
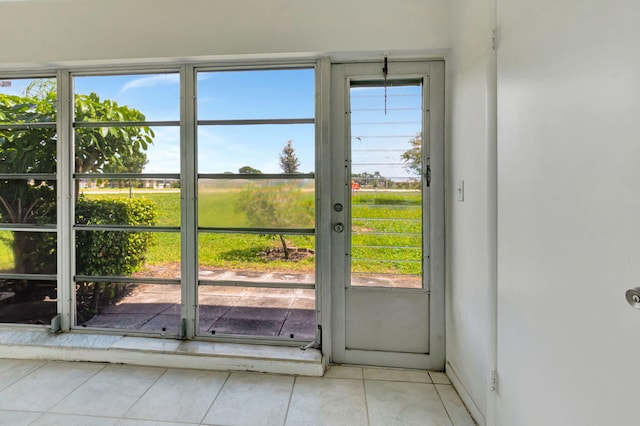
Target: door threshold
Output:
[(149, 351)]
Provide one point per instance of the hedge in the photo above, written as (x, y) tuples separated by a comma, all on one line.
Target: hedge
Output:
[(109, 253)]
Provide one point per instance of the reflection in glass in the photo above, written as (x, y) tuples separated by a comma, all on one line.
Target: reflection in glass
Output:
[(262, 203), (23, 252), (148, 97), (272, 312), (128, 306), (227, 149), (29, 100), (254, 94), (27, 301)]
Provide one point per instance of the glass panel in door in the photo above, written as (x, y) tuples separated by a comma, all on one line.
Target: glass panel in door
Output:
[(386, 185)]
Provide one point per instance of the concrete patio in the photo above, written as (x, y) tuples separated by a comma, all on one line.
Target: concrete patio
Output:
[(235, 310)]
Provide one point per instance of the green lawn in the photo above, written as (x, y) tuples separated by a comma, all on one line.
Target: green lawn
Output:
[(387, 228)]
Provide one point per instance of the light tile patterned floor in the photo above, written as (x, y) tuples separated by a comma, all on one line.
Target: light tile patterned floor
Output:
[(75, 393)]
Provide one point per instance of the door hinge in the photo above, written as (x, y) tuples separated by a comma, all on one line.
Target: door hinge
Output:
[(493, 380), (494, 39)]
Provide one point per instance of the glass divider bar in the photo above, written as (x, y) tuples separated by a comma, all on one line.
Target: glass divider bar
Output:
[(249, 122), (98, 124)]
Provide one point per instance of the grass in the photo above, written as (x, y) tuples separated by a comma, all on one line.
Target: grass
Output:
[(6, 254), (387, 232), (387, 235)]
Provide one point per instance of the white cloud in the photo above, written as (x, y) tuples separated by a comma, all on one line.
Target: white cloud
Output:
[(151, 81)]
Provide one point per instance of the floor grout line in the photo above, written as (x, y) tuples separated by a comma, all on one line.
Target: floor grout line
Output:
[(226, 379), (442, 402), (79, 385), (293, 386), (124, 416), (366, 401), (25, 375)]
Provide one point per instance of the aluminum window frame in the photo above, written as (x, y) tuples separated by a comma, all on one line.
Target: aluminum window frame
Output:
[(66, 175), (52, 227), (315, 120)]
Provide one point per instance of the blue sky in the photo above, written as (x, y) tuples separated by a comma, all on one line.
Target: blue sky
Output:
[(226, 95), (221, 96)]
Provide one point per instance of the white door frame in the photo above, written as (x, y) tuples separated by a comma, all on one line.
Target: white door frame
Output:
[(432, 73)]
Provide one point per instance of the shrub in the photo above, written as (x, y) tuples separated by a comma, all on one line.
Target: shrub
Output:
[(276, 206), (109, 253)]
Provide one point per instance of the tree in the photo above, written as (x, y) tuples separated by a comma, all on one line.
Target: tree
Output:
[(276, 206), (33, 201), (248, 170), (289, 162), (108, 148), (133, 163), (413, 156)]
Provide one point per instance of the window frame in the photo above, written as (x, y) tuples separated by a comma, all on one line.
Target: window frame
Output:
[(53, 228), (66, 175)]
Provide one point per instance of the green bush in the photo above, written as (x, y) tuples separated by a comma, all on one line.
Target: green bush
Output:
[(109, 253), (277, 206)]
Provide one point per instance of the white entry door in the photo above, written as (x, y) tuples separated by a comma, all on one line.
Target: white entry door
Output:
[(388, 213)]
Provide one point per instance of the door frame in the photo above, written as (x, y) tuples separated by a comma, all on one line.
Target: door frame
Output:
[(433, 126)]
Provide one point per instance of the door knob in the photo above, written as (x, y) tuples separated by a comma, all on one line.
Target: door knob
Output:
[(633, 297), (338, 227)]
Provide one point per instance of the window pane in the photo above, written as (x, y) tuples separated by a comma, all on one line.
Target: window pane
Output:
[(24, 252), (254, 257), (386, 199), (136, 97), (101, 198), (29, 100), (27, 301), (261, 203), (127, 150), (227, 95), (28, 201), (272, 312), (127, 254), (144, 307), (227, 149), (28, 151)]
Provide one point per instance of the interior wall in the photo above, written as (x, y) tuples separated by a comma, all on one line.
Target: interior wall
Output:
[(569, 203), (470, 234), (40, 33)]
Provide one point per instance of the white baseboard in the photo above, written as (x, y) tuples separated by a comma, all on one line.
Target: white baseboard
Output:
[(466, 397)]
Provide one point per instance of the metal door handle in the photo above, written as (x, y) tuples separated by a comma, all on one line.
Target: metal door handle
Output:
[(633, 297)]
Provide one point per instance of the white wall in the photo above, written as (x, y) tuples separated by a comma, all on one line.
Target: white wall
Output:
[(470, 242), (569, 212), (60, 31)]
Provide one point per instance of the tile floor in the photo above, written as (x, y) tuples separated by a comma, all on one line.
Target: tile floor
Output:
[(78, 393)]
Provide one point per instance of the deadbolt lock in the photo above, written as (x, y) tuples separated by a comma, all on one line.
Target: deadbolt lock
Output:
[(338, 227), (337, 207)]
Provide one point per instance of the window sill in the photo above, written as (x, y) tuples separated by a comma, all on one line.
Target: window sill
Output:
[(23, 344)]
